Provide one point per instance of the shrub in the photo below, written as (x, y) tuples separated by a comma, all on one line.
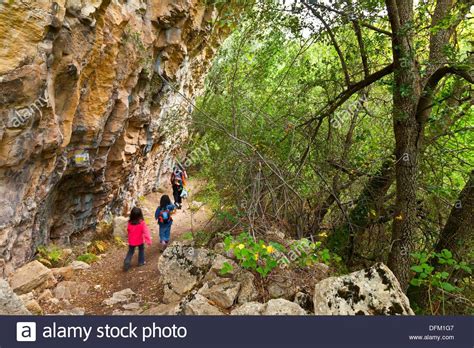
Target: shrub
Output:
[(88, 258), (306, 253), (51, 256), (437, 279), (252, 255), (263, 258), (97, 247)]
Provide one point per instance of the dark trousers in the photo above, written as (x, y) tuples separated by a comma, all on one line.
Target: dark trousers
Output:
[(131, 251), (177, 189)]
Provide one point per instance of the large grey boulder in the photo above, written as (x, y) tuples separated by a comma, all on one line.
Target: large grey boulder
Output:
[(10, 303), (182, 267), (31, 276), (371, 291)]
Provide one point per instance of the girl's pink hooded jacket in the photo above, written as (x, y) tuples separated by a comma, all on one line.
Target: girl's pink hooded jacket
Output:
[(138, 234)]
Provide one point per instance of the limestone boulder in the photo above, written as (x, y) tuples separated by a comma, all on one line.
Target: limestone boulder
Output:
[(45, 295), (200, 305), (282, 307), (281, 287), (248, 291), (123, 296), (181, 268), (34, 307), (371, 291), (223, 292), (304, 300), (10, 303), (33, 275), (249, 308), (63, 273), (218, 264), (79, 265), (69, 289)]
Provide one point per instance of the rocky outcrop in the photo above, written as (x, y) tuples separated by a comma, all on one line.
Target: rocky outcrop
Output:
[(373, 291), (10, 303), (94, 100)]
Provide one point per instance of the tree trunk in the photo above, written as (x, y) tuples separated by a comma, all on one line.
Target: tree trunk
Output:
[(459, 227), (408, 132)]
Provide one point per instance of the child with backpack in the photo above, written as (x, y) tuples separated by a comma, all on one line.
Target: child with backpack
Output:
[(164, 219), (178, 181), (138, 234)]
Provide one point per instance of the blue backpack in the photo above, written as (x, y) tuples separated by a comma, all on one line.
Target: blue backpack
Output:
[(164, 216)]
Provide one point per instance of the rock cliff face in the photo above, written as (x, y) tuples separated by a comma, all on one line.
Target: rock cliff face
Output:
[(87, 118)]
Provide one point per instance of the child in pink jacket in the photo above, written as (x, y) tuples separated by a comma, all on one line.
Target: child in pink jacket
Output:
[(138, 234)]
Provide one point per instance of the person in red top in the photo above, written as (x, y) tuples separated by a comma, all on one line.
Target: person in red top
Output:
[(138, 234)]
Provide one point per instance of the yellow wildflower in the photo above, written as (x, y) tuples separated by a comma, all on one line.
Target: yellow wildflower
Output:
[(255, 256), (240, 246), (270, 249), (323, 235), (399, 217)]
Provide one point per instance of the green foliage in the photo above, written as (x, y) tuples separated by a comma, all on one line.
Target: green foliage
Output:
[(434, 271), (226, 268), (309, 253), (51, 256), (88, 258), (264, 257), (278, 150), (201, 238), (252, 255)]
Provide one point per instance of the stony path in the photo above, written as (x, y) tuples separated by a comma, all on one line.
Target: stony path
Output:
[(106, 275)]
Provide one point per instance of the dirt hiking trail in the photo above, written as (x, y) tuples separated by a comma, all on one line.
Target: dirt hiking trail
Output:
[(106, 276)]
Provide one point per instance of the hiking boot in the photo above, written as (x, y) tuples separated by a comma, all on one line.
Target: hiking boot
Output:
[(141, 264)]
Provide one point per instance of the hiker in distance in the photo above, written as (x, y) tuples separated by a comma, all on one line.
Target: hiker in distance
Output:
[(164, 219), (178, 181), (138, 234)]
